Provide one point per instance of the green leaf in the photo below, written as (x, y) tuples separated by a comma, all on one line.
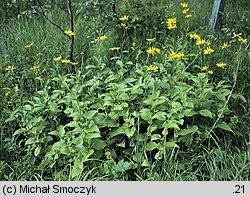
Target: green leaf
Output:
[(90, 114), (19, 131), (37, 151), (189, 112), (151, 146), (77, 168), (224, 126), (187, 131), (155, 137), (117, 108), (206, 113), (99, 144), (145, 163), (123, 166), (160, 116), (30, 141), (146, 115), (171, 145)]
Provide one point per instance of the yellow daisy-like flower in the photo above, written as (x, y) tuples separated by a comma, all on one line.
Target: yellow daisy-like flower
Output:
[(7, 93), (204, 68), (179, 55), (189, 16), (171, 23), (185, 11), (236, 35), (9, 68), (104, 37), (153, 51), (114, 48), (150, 40), (69, 32), (200, 42), (66, 61), (184, 5), (243, 41), (225, 45), (34, 68), (208, 50), (210, 72), (194, 36), (153, 68), (123, 18), (28, 46), (221, 65), (57, 58)]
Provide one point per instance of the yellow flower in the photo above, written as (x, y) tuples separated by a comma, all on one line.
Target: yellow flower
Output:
[(153, 50), (104, 37), (171, 23), (66, 61), (225, 45), (189, 16), (69, 32), (7, 93), (151, 39), (153, 68), (124, 18), (236, 35), (200, 42), (9, 68), (210, 72), (185, 11), (179, 55), (114, 48), (28, 46), (194, 36), (35, 68), (204, 68), (184, 5), (243, 41), (57, 58), (208, 50), (221, 65)]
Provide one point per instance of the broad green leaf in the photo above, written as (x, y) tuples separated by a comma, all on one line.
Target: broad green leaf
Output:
[(117, 108), (90, 114), (19, 131), (30, 141), (224, 126), (160, 116), (145, 163), (155, 137), (77, 168), (187, 131), (206, 113), (99, 144), (146, 115), (171, 145), (123, 166), (151, 146), (189, 112)]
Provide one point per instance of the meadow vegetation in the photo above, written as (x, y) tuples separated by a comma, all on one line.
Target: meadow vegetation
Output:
[(151, 94)]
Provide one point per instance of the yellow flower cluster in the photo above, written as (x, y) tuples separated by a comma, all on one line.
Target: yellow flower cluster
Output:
[(208, 50), (225, 45), (221, 65), (179, 55), (199, 40), (69, 32), (186, 10), (239, 38), (35, 68), (153, 51), (99, 39), (153, 68), (9, 68), (123, 18), (171, 23), (205, 68)]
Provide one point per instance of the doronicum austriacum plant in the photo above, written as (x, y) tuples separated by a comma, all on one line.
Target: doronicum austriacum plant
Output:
[(136, 106)]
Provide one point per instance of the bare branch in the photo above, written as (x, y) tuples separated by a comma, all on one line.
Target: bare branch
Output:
[(59, 6), (43, 13)]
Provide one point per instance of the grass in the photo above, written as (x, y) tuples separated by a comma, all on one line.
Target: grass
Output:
[(224, 157)]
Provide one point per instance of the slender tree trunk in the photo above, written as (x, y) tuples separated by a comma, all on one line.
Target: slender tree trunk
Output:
[(71, 22), (217, 14)]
